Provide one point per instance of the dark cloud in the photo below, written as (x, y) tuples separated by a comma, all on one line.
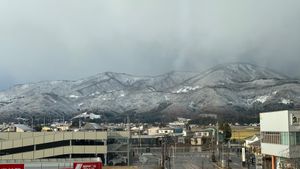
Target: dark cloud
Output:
[(6, 80), (53, 39)]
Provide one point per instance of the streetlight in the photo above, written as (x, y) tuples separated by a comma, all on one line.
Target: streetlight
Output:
[(174, 153), (228, 154)]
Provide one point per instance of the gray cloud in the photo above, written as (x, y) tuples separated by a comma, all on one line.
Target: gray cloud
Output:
[(53, 39)]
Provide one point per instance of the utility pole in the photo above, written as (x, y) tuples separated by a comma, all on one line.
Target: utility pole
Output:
[(228, 153), (129, 138), (162, 163), (164, 153), (79, 123), (217, 127), (173, 149), (32, 125)]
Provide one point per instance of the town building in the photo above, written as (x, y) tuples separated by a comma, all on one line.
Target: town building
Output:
[(202, 137), (166, 130), (17, 128), (93, 127), (280, 134), (152, 131), (68, 145)]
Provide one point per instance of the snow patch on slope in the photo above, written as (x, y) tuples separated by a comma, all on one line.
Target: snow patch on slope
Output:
[(186, 89), (262, 99), (74, 96), (3, 98), (285, 101), (93, 94)]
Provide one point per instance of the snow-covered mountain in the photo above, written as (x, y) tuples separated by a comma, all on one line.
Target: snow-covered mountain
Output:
[(234, 88)]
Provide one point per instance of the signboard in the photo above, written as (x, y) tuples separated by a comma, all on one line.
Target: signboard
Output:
[(243, 155), (87, 165), (11, 166)]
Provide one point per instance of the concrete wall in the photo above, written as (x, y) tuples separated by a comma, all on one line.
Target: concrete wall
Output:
[(280, 121), (14, 140), (55, 152), (275, 149), (274, 121), (68, 135)]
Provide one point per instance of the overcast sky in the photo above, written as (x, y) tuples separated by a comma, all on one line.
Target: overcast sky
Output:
[(70, 39)]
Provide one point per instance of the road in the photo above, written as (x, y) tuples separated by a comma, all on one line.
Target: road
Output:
[(187, 158)]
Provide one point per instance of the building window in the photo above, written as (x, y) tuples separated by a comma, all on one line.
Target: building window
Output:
[(284, 138), (294, 138), (271, 137), (298, 138)]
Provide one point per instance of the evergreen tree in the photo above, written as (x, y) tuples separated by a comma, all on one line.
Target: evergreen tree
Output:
[(225, 127)]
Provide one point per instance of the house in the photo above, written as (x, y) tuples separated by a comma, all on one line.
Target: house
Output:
[(138, 130), (196, 141), (61, 126), (178, 131), (166, 130), (93, 127), (17, 128), (47, 129), (181, 140), (203, 133), (152, 131), (201, 137)]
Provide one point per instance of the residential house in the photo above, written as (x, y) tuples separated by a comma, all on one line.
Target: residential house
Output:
[(166, 130), (17, 128), (152, 131)]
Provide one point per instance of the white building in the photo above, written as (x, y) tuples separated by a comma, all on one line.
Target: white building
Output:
[(153, 131), (280, 134), (203, 133), (166, 130)]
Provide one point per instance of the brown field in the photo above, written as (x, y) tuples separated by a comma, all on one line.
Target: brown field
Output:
[(241, 132)]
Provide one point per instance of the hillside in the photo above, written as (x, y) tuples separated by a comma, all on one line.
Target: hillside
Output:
[(235, 89)]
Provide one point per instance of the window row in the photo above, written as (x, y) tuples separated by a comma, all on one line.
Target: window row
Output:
[(285, 138)]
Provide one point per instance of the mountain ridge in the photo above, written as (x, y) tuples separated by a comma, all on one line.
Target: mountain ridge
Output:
[(235, 88)]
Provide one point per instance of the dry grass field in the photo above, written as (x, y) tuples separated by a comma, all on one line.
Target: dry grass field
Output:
[(242, 132)]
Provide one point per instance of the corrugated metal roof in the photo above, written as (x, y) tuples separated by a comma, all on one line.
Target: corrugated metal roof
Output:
[(23, 127)]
